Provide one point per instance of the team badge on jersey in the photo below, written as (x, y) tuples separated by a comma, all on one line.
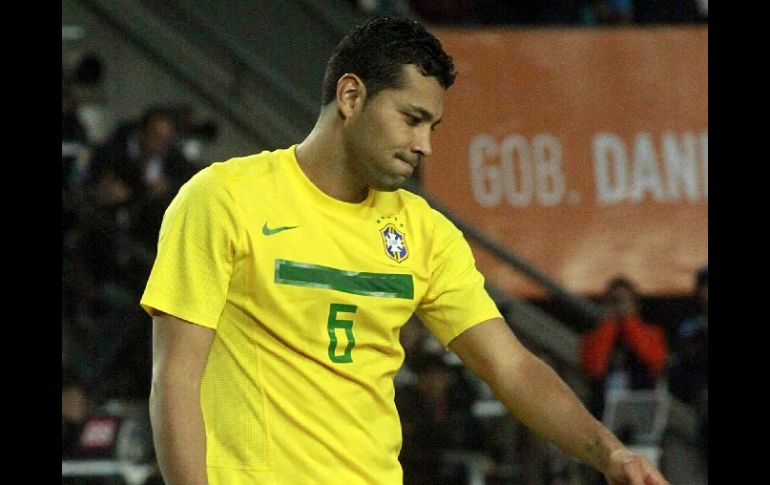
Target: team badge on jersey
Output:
[(395, 243)]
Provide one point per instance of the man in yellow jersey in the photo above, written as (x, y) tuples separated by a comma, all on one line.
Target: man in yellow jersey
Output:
[(282, 280)]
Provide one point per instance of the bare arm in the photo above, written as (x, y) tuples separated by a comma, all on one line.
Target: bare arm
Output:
[(536, 395), (180, 350)]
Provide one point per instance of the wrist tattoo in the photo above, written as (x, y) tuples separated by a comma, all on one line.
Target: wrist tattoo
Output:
[(594, 453)]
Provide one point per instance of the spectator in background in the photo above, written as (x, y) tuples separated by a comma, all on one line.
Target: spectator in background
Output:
[(424, 412), (74, 139), (608, 12), (74, 157), (434, 405), (667, 11), (131, 180), (688, 374), (383, 7), (443, 11), (133, 177), (703, 9), (74, 405), (86, 75), (141, 167), (622, 351)]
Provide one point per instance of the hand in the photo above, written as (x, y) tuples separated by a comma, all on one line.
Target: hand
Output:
[(625, 304), (611, 314), (628, 468), (627, 307)]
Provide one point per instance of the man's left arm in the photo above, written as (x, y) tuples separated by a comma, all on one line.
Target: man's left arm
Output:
[(538, 397)]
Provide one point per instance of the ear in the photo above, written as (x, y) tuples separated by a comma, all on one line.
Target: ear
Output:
[(351, 94)]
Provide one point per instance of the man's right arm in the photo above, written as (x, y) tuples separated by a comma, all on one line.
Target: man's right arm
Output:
[(180, 350)]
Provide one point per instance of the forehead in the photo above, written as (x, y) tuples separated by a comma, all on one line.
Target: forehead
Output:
[(418, 90)]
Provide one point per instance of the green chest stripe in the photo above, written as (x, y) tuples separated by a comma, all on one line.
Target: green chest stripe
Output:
[(384, 285)]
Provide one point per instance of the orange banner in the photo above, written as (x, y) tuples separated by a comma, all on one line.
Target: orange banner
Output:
[(583, 151)]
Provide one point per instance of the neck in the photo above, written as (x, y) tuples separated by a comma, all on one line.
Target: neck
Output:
[(323, 159)]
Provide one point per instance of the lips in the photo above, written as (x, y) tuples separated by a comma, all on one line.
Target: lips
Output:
[(408, 169), (405, 160)]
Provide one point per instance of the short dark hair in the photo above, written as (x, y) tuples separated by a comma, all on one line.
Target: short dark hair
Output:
[(376, 52), (621, 281), (158, 112), (701, 278)]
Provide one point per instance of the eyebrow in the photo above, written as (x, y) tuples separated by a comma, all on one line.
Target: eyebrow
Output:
[(427, 115)]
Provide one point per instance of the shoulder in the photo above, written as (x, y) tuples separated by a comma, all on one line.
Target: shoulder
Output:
[(249, 166), (240, 173)]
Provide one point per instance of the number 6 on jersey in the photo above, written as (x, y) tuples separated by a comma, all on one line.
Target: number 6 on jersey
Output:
[(347, 325)]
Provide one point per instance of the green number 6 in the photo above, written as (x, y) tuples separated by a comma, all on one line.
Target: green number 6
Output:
[(347, 325)]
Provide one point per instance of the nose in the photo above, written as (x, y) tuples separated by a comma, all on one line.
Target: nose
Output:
[(421, 143)]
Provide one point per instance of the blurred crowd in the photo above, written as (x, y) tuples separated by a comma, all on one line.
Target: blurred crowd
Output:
[(116, 186)]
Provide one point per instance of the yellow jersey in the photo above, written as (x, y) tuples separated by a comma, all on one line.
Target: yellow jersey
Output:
[(307, 295)]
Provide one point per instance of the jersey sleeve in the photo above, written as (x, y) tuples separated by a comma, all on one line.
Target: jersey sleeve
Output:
[(196, 249), (456, 299)]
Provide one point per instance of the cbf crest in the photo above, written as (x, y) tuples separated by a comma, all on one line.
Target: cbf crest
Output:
[(395, 243)]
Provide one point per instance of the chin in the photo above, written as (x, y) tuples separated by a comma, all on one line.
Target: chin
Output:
[(387, 188), (391, 185)]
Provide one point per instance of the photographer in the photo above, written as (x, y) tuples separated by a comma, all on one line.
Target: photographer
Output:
[(621, 351)]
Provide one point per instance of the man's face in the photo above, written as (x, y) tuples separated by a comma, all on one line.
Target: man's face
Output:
[(703, 297), (159, 136), (623, 299), (392, 133)]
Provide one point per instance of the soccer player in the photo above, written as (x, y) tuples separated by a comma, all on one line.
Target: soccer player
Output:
[(282, 280)]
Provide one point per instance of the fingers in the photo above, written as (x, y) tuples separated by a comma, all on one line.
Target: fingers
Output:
[(654, 477), (642, 473), (635, 473), (628, 468)]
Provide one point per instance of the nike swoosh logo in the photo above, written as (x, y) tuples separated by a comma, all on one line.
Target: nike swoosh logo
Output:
[(269, 232)]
